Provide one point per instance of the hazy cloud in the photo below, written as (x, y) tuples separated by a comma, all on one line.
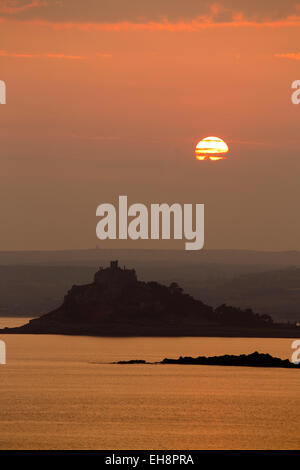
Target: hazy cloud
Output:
[(143, 11), (17, 55), (290, 55), (14, 7)]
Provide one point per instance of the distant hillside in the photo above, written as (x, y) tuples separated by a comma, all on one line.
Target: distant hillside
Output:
[(98, 256), (276, 293), (33, 290)]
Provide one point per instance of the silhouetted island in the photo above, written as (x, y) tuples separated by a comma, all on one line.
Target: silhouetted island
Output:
[(116, 303), (251, 360)]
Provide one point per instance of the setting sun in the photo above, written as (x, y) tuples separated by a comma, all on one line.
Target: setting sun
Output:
[(212, 148)]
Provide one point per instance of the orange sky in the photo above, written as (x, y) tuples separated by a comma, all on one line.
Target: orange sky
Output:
[(111, 99)]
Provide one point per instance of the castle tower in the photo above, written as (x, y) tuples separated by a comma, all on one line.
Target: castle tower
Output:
[(114, 275), (114, 264)]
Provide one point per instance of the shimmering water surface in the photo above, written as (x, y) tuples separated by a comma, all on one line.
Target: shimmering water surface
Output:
[(60, 392)]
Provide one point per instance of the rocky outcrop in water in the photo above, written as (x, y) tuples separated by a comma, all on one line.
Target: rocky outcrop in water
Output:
[(251, 360)]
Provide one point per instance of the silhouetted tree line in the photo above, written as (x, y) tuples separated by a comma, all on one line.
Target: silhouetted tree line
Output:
[(227, 315)]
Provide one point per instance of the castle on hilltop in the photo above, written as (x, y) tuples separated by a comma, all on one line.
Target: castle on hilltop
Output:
[(115, 274), (117, 304)]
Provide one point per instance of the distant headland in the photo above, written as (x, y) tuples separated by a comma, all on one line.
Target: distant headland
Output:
[(255, 359), (116, 303)]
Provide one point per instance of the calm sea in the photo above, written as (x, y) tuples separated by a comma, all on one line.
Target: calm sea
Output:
[(60, 392)]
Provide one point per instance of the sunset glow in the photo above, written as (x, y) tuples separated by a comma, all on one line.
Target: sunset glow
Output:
[(212, 148)]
